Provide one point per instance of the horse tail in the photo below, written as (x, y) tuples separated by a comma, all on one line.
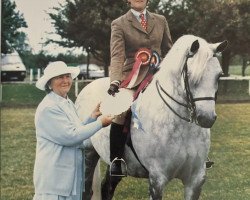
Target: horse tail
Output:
[(96, 184)]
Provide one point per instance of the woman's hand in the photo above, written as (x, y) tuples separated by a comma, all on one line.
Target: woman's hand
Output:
[(96, 112), (106, 120)]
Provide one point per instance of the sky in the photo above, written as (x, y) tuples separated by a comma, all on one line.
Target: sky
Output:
[(39, 24)]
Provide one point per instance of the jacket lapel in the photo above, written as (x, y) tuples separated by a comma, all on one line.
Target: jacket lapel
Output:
[(150, 21)]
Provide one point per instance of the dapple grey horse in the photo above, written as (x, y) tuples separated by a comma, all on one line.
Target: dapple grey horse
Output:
[(171, 121)]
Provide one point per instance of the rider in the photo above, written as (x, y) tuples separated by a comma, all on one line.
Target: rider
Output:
[(129, 33)]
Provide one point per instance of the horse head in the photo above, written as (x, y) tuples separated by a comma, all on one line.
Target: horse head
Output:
[(201, 74), (190, 73)]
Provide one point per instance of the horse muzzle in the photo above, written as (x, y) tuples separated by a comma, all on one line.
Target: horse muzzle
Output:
[(205, 114), (205, 121)]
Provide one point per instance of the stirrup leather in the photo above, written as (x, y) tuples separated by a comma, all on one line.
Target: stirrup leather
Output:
[(122, 163)]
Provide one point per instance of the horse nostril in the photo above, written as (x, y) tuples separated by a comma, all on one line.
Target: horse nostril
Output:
[(199, 119)]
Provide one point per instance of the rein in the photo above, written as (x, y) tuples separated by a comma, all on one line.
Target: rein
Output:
[(190, 100), (158, 86)]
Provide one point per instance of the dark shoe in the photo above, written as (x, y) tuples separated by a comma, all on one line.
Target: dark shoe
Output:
[(209, 164), (117, 144), (115, 168)]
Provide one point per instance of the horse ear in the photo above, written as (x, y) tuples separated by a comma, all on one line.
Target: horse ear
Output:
[(194, 47), (219, 47), (222, 46)]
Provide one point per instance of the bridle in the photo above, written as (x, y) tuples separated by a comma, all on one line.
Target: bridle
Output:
[(190, 101)]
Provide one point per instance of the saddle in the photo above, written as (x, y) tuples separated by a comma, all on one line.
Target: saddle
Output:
[(145, 57)]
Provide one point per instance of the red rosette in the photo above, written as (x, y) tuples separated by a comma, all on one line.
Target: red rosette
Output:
[(144, 55)]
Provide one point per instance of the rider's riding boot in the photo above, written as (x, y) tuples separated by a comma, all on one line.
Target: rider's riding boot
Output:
[(209, 163), (117, 143)]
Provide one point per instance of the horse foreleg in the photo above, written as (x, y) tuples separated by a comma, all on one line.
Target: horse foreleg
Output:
[(109, 184), (193, 187), (156, 186), (91, 159)]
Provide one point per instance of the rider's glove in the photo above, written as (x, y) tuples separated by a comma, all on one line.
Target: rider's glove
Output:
[(114, 88)]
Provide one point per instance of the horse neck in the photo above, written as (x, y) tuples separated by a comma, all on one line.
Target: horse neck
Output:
[(171, 80), (171, 83)]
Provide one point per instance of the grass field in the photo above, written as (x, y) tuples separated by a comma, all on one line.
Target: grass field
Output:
[(228, 180), (230, 149), (26, 94)]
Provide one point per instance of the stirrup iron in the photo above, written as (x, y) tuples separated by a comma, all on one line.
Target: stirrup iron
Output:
[(122, 163)]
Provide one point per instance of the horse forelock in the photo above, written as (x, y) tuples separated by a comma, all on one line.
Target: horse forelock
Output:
[(197, 64), (175, 58)]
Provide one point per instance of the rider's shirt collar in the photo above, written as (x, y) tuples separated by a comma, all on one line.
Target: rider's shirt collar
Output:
[(137, 14)]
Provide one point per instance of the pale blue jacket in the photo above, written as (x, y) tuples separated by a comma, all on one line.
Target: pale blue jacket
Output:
[(60, 135)]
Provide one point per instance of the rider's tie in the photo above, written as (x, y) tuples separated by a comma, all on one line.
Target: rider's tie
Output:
[(143, 21)]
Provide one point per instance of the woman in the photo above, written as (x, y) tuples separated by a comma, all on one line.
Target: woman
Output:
[(137, 29), (60, 134)]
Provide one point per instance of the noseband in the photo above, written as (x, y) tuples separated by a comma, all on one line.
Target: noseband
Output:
[(190, 101)]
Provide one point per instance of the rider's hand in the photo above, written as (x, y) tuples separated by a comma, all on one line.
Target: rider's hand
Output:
[(114, 88)]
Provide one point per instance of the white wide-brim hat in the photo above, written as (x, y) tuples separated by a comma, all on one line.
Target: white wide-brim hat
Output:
[(55, 69)]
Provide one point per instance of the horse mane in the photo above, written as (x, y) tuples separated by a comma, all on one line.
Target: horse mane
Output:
[(176, 57)]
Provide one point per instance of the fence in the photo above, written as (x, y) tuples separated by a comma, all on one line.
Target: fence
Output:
[(34, 76), (238, 78), (232, 78), (225, 87)]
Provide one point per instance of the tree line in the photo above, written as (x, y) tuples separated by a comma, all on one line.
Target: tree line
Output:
[(13, 38), (86, 24)]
